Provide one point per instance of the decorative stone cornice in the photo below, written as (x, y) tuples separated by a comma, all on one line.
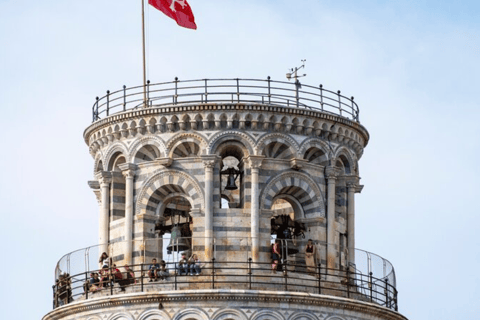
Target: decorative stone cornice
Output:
[(95, 186), (215, 298)]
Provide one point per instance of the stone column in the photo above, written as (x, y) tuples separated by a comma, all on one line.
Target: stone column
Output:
[(255, 164), (128, 171), (209, 165), (331, 175), (104, 178), (353, 187)]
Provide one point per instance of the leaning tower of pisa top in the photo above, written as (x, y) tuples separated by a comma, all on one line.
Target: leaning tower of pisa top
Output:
[(225, 199)]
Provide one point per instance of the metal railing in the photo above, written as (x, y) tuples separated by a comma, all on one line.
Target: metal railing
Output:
[(367, 276), (188, 92), (226, 275)]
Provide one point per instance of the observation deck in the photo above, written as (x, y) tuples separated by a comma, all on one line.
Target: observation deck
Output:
[(371, 279)]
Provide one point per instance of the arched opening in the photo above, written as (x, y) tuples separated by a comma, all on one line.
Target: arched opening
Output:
[(277, 150), (316, 156), (174, 225), (186, 149), (117, 188), (147, 153), (231, 179)]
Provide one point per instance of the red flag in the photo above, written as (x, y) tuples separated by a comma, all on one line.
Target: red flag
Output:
[(178, 10)]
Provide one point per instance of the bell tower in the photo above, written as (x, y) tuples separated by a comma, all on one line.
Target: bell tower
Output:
[(253, 181)]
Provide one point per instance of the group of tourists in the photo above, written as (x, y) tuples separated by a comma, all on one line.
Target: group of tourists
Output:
[(310, 256), (191, 266)]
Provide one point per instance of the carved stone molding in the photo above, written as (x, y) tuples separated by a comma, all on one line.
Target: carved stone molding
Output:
[(255, 162)]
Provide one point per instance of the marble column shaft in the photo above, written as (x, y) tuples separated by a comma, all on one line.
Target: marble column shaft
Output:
[(104, 219), (331, 173), (209, 165), (128, 171)]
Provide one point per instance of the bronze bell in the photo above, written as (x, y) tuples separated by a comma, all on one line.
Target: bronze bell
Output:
[(231, 182), (177, 243)]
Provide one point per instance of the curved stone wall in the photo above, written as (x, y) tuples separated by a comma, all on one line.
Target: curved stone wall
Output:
[(223, 305)]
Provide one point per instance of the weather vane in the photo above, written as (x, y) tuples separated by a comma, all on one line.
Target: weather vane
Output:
[(293, 73)]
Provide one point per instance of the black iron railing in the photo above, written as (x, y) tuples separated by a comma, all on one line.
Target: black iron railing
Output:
[(348, 283), (276, 93)]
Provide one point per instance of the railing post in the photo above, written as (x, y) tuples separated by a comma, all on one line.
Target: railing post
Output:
[(354, 112), (141, 277), (250, 273), (86, 285), (54, 302), (176, 274), (96, 112), (175, 98), (285, 276), (124, 97), (395, 298), (108, 102), (321, 97), (206, 91), (319, 279), (111, 280), (269, 94), (370, 284), (339, 103), (238, 91), (386, 293), (148, 93), (348, 282), (213, 273)]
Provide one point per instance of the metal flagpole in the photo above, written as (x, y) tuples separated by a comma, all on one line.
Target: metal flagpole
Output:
[(144, 68)]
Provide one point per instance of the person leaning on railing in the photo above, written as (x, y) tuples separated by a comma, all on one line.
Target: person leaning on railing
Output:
[(310, 256), (63, 294), (93, 284), (276, 256)]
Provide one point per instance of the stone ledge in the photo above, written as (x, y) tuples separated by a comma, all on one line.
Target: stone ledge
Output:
[(264, 299)]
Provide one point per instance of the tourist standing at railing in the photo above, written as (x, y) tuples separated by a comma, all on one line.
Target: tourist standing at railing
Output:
[(93, 283), (104, 276), (153, 270), (276, 255), (195, 265), (104, 260), (310, 256)]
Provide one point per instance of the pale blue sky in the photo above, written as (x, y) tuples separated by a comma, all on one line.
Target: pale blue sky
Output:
[(413, 67)]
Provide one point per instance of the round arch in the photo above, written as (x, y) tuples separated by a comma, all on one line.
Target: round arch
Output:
[(188, 137), (245, 139), (184, 181), (118, 147), (276, 137), (313, 143), (98, 163), (120, 316), (154, 315), (267, 315), (149, 140), (191, 313), (343, 152), (224, 314), (297, 185), (302, 315)]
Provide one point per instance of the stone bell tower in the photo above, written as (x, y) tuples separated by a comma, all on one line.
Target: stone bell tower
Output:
[(231, 171)]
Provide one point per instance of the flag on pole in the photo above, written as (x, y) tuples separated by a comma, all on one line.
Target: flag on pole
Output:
[(178, 10)]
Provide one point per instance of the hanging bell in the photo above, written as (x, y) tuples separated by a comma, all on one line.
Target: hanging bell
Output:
[(231, 182), (177, 243)]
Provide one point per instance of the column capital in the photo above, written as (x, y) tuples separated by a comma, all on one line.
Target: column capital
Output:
[(95, 186), (196, 212), (103, 177), (255, 162), (332, 172), (297, 164), (209, 161), (128, 169)]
